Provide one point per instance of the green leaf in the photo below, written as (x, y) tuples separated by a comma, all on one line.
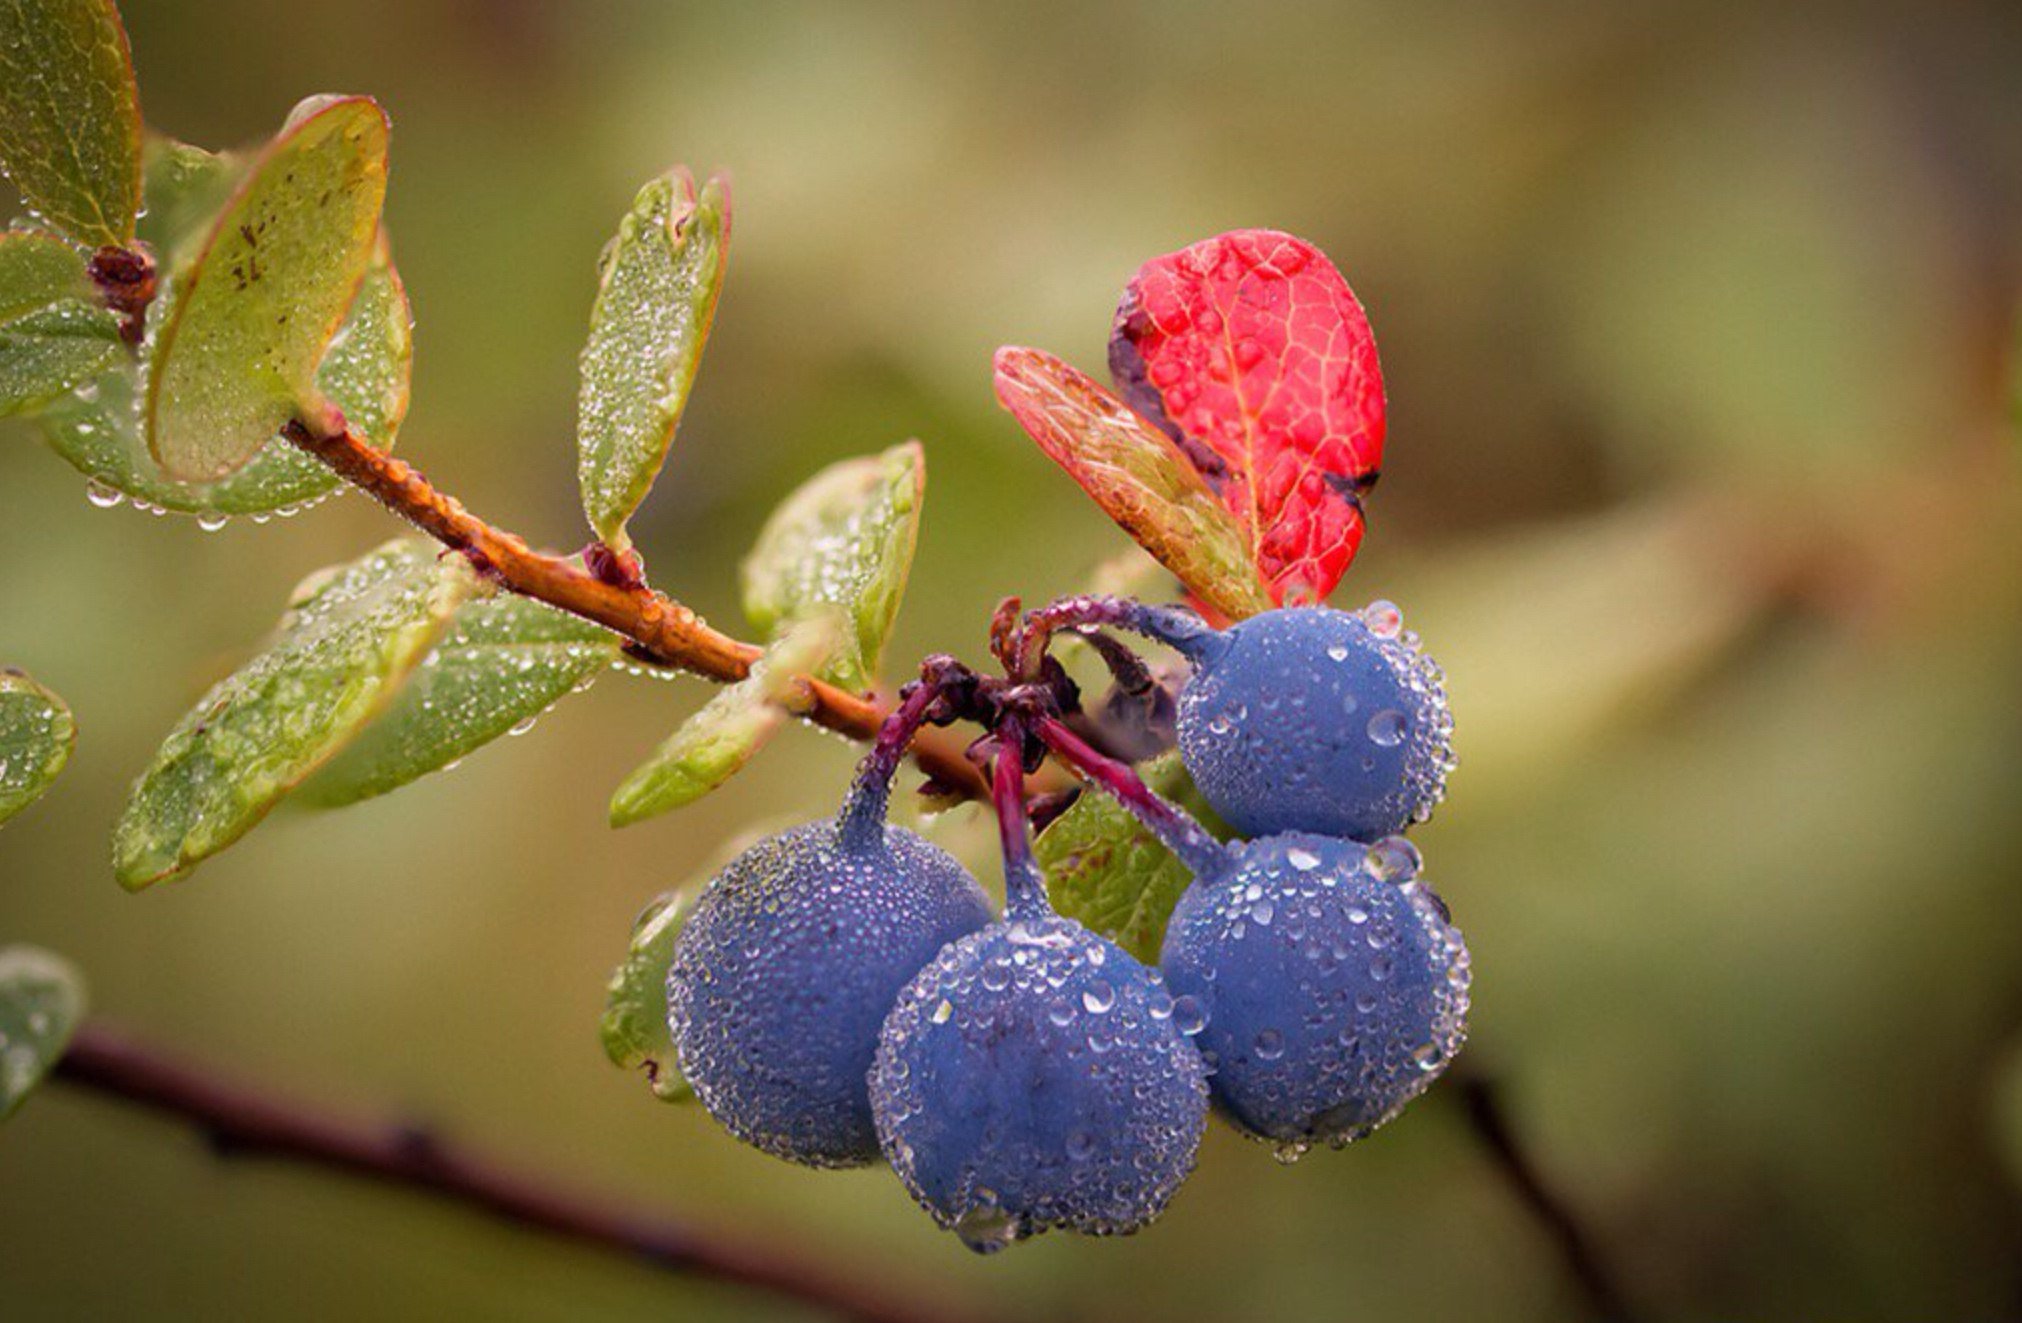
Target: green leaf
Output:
[(1105, 870), (247, 323), (843, 541), (41, 1002), (184, 188), (505, 661), (351, 635), (634, 1027), (52, 335), (36, 732), (365, 374), (70, 116), (656, 294), (715, 743), (1137, 475)]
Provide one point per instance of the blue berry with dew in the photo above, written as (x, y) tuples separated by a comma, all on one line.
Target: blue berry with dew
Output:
[(793, 956), (1333, 984), (1304, 718), (1033, 1076), (1323, 981)]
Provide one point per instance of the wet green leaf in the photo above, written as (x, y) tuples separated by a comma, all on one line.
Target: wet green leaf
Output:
[(365, 374), (184, 189), (70, 116), (504, 661), (843, 541), (656, 295), (246, 324), (715, 743), (634, 1027), (351, 636), (1137, 475), (52, 335), (1104, 869), (41, 1003), (36, 732)]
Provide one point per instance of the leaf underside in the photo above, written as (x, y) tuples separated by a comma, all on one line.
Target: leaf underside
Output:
[(658, 284), (247, 321), (634, 1027), (1136, 474), (843, 541), (351, 635)]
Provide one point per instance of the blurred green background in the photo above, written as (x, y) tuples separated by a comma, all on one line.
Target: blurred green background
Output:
[(1697, 325)]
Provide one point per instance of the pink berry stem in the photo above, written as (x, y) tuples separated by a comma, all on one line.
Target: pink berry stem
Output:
[(1203, 855), (1024, 884), (1176, 627), (862, 821)]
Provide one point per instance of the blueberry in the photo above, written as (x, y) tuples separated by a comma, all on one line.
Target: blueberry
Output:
[(1033, 1076), (1311, 719), (1334, 987), (788, 965)]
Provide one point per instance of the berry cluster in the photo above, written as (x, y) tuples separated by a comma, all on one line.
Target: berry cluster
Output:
[(842, 991)]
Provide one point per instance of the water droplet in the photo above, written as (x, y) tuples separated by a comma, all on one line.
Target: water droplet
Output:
[(100, 495), (1188, 1016), (1270, 1045), (1303, 860), (211, 521), (1080, 1146), (522, 726), (1383, 619), (1098, 997), (943, 1012), (1387, 728), (1394, 859)]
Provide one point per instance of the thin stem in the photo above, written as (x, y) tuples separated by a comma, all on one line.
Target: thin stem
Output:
[(1203, 855), (863, 815), (240, 1121), (1024, 884), (1481, 1100), (661, 629), (1175, 627)]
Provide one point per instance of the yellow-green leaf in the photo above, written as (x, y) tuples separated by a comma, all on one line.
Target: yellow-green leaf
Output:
[(70, 116), (843, 541), (505, 661), (247, 324), (634, 1028), (52, 335), (1105, 870), (365, 373), (714, 744), (36, 732), (41, 1002), (1137, 475), (656, 294), (351, 636)]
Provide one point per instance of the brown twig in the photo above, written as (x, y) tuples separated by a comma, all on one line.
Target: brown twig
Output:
[(241, 1122), (1481, 1100), (661, 630)]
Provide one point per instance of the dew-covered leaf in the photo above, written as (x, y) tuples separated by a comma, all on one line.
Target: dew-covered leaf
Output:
[(1137, 474), (52, 334), (657, 287), (36, 732), (365, 373), (1253, 354), (184, 189), (70, 116), (41, 1003), (504, 661), (248, 320), (634, 1028), (843, 541), (351, 635), (1106, 871), (714, 745)]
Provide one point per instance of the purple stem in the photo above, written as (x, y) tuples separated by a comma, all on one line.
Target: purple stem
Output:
[(1203, 855), (1176, 627), (1024, 884), (862, 822)]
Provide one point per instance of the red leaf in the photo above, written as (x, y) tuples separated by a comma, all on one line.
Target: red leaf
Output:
[(1252, 353)]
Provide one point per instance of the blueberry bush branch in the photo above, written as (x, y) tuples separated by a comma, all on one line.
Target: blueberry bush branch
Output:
[(243, 1122), (661, 631)]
